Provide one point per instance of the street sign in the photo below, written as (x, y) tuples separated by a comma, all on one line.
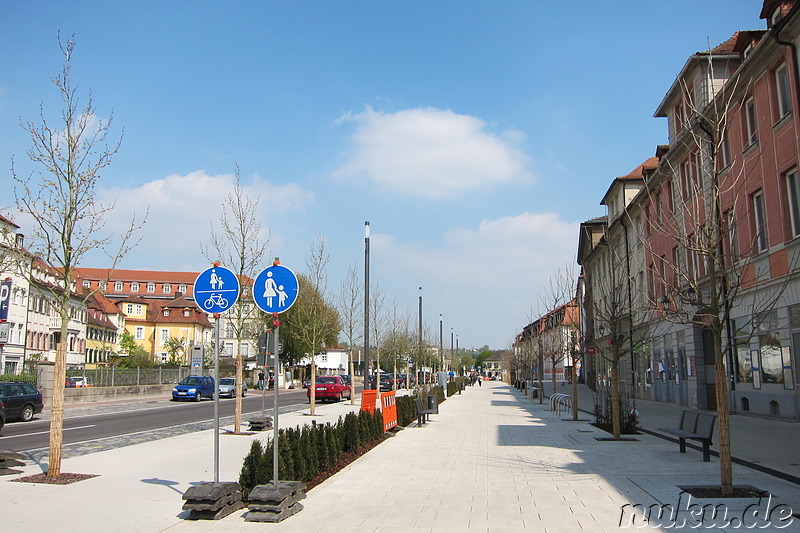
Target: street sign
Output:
[(216, 289), (5, 299), (275, 289)]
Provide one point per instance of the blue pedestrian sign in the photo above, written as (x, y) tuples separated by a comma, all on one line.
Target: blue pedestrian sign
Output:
[(216, 289), (275, 289)]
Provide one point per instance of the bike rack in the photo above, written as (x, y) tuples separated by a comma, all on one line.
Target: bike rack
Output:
[(559, 401)]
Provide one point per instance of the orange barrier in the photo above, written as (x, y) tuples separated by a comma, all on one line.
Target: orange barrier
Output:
[(389, 410), (368, 400)]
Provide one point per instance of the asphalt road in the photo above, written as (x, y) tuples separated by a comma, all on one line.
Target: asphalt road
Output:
[(90, 428)]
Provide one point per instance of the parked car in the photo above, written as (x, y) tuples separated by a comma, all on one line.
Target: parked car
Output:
[(22, 400), (81, 381), (329, 388), (227, 387), (306, 383), (194, 388), (346, 379), (70, 383), (2, 414)]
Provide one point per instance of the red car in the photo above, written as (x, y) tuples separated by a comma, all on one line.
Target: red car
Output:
[(330, 388)]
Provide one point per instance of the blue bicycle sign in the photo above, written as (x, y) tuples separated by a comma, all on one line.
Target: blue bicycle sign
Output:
[(216, 289)]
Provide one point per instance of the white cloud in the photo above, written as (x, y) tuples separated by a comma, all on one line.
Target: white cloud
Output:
[(432, 153), (490, 277), (182, 209)]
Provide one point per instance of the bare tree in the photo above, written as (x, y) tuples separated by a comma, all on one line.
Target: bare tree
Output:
[(350, 303), (61, 199), (313, 320), (240, 242), (712, 270), (377, 325)]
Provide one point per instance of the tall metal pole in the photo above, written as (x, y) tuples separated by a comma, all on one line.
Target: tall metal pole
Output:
[(275, 400), (452, 353), (216, 397), (441, 346), (366, 307), (420, 325)]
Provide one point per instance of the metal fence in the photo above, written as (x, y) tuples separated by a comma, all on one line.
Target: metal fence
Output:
[(117, 377)]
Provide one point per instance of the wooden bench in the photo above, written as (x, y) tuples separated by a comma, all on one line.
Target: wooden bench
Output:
[(422, 413), (697, 426)]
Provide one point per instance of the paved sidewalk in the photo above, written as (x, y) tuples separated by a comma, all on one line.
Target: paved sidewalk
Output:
[(768, 443), (491, 461)]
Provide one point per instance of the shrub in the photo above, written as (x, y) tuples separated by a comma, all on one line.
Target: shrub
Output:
[(27, 378), (406, 410), (305, 452)]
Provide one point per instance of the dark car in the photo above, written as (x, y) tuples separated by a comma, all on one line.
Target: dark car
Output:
[(2, 414), (346, 379), (22, 400), (194, 388), (70, 383), (386, 382)]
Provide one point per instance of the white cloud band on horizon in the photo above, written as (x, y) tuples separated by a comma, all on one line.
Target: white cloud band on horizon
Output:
[(431, 153)]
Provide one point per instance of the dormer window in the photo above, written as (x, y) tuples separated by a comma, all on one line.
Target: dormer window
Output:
[(186, 313), (151, 287), (776, 16), (135, 286), (167, 288), (166, 312), (118, 286), (86, 284), (182, 288)]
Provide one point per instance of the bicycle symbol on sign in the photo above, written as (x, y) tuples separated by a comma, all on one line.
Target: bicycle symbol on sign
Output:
[(215, 299)]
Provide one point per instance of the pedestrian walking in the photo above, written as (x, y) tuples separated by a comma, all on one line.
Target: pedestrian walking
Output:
[(480, 381), (261, 380)]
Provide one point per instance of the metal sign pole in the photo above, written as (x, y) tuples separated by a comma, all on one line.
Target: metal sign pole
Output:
[(216, 397), (275, 414)]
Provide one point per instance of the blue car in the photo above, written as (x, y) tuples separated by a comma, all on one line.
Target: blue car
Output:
[(194, 388)]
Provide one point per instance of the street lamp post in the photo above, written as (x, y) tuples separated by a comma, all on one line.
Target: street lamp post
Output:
[(366, 307), (441, 346), (420, 326)]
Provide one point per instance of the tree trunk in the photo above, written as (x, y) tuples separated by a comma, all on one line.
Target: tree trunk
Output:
[(574, 390), (237, 414), (541, 377), (615, 414), (57, 409), (313, 386), (724, 430)]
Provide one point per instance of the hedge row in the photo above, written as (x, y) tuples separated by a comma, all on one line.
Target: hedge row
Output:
[(27, 378), (305, 452)]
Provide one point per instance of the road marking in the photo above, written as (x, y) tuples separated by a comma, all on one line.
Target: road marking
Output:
[(43, 432)]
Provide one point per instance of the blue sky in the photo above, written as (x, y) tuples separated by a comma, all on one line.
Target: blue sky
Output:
[(474, 135)]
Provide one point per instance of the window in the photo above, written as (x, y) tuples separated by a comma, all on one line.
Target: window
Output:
[(118, 286), (167, 288), (166, 312), (135, 286), (750, 121), (151, 287), (793, 197), (139, 309), (659, 214), (86, 284), (726, 149), (759, 222), (686, 183), (102, 285), (164, 335), (139, 332), (182, 288), (732, 240), (783, 92), (129, 309), (186, 312)]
